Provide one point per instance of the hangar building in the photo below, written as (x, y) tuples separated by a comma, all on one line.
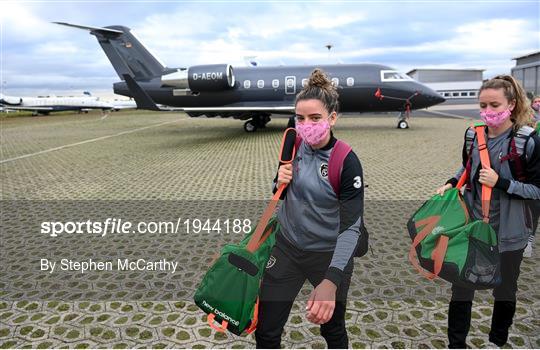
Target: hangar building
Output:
[(527, 71), (451, 83)]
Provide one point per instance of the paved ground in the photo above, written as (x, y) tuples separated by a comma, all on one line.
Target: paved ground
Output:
[(160, 166)]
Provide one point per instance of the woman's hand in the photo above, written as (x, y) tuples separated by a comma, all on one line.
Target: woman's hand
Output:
[(443, 189), (488, 177), (322, 302), (284, 174)]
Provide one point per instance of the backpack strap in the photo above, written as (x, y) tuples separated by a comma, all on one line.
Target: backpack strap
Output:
[(470, 135), (517, 153), (521, 137), (335, 164), (297, 143)]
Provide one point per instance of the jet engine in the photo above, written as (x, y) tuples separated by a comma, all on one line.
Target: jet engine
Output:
[(211, 77)]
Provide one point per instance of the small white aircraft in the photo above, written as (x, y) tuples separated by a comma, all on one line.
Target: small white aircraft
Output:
[(123, 104), (47, 104)]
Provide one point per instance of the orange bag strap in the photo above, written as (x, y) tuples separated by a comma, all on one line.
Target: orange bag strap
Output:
[(438, 253), (463, 179), (259, 236), (221, 329), (255, 318), (486, 164), (429, 224)]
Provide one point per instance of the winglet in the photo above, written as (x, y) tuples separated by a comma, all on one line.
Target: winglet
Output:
[(143, 100)]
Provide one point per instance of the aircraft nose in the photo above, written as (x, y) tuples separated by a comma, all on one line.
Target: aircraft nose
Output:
[(429, 97)]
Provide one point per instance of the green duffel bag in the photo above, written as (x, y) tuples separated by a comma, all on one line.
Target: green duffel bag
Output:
[(447, 244), (228, 293)]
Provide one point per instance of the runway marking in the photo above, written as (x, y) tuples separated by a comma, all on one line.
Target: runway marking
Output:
[(446, 114), (87, 141)]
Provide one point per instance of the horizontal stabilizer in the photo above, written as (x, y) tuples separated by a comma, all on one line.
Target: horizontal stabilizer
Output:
[(100, 30)]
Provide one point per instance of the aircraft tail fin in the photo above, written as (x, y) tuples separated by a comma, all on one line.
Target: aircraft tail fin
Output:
[(125, 52)]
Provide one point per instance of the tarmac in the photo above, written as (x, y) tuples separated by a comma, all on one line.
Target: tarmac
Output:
[(146, 166)]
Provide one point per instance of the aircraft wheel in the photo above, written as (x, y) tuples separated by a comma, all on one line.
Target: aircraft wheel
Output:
[(250, 126), (402, 124)]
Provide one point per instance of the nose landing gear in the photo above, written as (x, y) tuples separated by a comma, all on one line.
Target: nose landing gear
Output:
[(403, 124), (403, 118)]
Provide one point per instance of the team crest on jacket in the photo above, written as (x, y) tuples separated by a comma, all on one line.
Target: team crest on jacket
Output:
[(324, 170), (271, 262)]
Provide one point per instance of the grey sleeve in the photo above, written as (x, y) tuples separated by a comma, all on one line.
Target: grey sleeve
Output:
[(346, 245), (351, 210)]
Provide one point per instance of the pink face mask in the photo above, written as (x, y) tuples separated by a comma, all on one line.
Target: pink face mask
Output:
[(495, 119), (313, 132)]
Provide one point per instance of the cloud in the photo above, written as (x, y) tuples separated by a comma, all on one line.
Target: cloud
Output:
[(21, 24), (36, 53)]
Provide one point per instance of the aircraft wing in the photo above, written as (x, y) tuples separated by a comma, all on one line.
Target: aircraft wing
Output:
[(252, 108)]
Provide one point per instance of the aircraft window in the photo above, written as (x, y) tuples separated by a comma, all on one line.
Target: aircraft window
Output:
[(392, 75), (335, 81), (247, 84), (350, 81), (304, 82), (260, 84), (275, 83)]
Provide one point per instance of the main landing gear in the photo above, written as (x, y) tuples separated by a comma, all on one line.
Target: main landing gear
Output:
[(256, 122)]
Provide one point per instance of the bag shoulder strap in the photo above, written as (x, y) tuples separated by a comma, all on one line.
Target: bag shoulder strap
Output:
[(484, 159), (335, 164)]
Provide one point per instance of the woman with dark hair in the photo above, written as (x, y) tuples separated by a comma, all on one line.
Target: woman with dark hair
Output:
[(319, 225), (514, 152)]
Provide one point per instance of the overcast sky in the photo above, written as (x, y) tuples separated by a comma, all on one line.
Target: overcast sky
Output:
[(39, 57)]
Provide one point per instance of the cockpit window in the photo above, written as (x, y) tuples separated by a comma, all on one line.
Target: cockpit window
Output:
[(392, 75)]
